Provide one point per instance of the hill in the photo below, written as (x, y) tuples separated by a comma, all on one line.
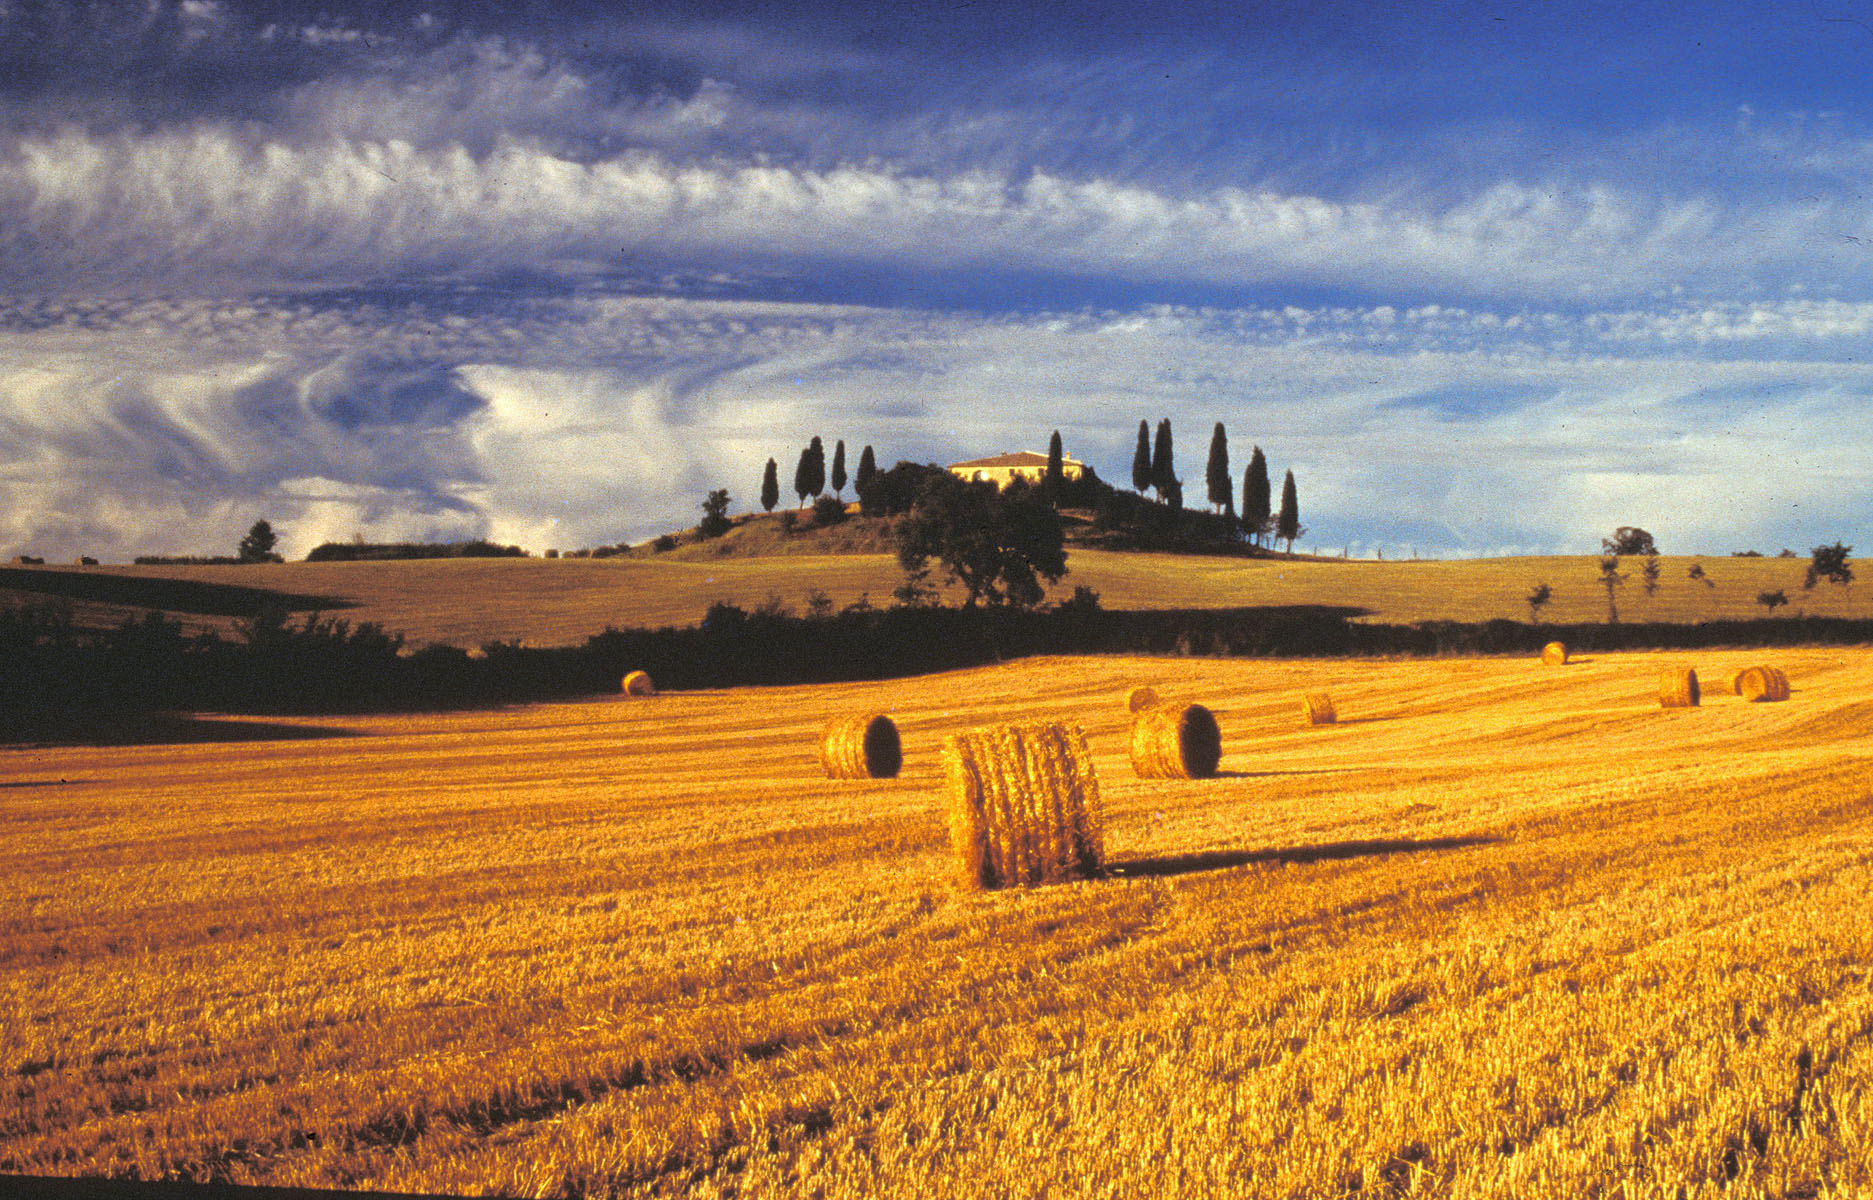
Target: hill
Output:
[(545, 602)]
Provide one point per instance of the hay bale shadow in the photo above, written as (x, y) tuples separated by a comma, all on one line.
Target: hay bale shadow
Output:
[(1284, 774), (1166, 866)]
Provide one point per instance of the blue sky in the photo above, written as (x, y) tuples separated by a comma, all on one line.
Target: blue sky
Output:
[(1489, 278)]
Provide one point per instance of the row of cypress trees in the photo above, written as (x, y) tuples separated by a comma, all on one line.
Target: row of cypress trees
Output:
[(1152, 468), (809, 475)]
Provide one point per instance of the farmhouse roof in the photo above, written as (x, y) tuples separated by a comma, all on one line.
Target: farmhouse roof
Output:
[(1020, 458)]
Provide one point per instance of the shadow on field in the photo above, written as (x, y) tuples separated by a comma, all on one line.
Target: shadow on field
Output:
[(82, 1188), (154, 729), (1220, 860), (168, 595), (1280, 774)]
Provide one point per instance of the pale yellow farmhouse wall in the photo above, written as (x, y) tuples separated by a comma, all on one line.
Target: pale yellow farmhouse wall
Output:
[(1003, 469)]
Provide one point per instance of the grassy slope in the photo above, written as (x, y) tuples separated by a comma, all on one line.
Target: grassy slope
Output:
[(552, 602), (1506, 931)]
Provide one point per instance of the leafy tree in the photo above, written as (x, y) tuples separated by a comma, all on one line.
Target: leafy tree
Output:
[(838, 467), (1288, 520), (867, 471), (1772, 600), (1538, 600), (1216, 474), (1255, 506), (1163, 468), (1829, 563), (1697, 572), (770, 486), (1611, 577), (1141, 459), (998, 544), (257, 546), (715, 520), (1056, 465), (916, 591), (892, 493), (828, 510), (1628, 539), (809, 478), (1649, 573)]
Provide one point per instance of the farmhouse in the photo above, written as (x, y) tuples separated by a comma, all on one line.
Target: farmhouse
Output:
[(1003, 469)]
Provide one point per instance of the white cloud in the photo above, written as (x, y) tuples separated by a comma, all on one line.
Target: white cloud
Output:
[(208, 206), (170, 426)]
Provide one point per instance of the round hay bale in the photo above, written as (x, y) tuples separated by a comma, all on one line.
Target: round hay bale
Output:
[(1677, 688), (1762, 684), (1554, 654), (638, 683), (1176, 743), (1317, 709), (1023, 806), (861, 747), (1735, 686), (1140, 698)]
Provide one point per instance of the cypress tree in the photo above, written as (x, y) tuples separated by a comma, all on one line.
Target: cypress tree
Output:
[(1288, 523), (1217, 475), (1141, 459), (867, 471), (1163, 470), (1255, 496), (838, 467), (770, 486), (809, 478), (1056, 465)]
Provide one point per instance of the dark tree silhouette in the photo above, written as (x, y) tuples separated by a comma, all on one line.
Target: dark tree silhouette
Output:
[(998, 544), (1255, 505), (809, 478), (770, 486), (1538, 600), (1288, 520), (257, 546), (1628, 539), (1829, 563), (1141, 459), (1217, 474), (867, 471), (1611, 578), (838, 466), (1056, 465), (715, 520), (1163, 467)]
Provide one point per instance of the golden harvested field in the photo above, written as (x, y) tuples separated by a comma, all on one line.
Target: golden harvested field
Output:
[(1505, 930), (542, 602)]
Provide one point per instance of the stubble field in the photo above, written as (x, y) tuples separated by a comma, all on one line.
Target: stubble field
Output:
[(555, 602), (1506, 930)]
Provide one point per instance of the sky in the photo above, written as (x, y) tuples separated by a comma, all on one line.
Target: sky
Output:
[(1488, 278)]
